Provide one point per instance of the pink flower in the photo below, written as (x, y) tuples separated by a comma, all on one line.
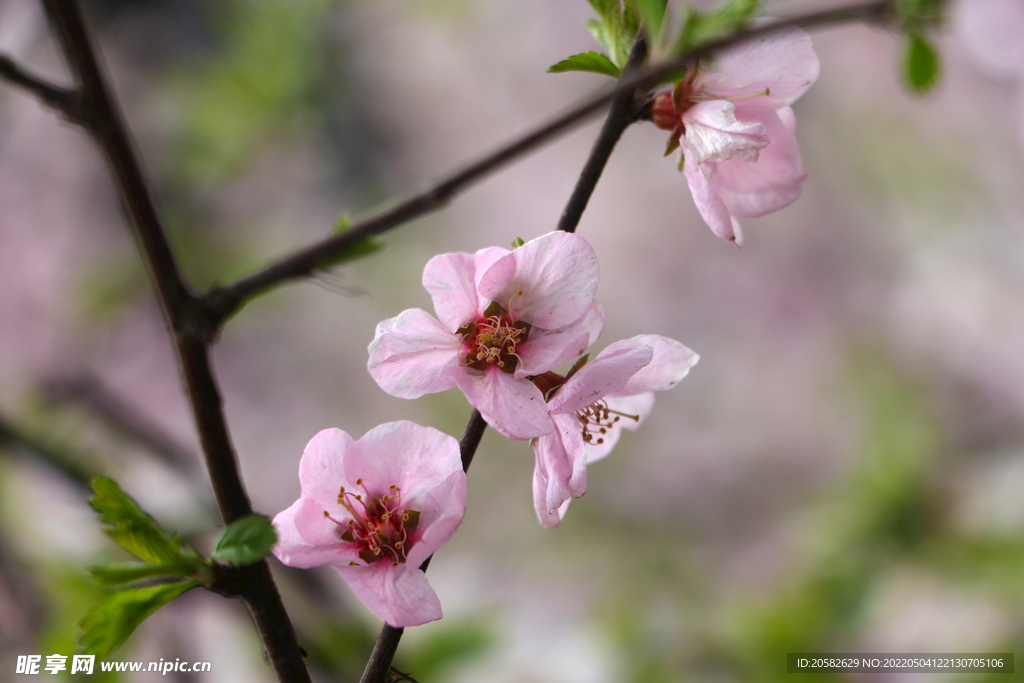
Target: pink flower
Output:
[(501, 316), (733, 122), (375, 509), (590, 408)]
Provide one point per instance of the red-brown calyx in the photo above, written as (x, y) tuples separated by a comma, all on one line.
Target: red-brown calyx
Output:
[(668, 108)]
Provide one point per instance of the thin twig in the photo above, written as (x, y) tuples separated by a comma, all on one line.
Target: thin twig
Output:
[(620, 115), (387, 642), (64, 100), (222, 302), (257, 587)]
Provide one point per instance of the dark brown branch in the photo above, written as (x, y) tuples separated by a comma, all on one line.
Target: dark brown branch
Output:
[(191, 338), (64, 100), (621, 114), (387, 642), (222, 302)]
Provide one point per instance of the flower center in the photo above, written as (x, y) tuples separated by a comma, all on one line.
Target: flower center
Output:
[(492, 340), (597, 419), (380, 526)]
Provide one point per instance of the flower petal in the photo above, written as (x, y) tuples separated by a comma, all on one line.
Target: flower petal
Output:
[(322, 468), (316, 529), (638, 405), (546, 517), (515, 407), (549, 518), (773, 182), (560, 472), (404, 454), (782, 62), (547, 349), (554, 282), (607, 373), (413, 354), (400, 595), (295, 551), (484, 260), (713, 133), (441, 512), (450, 279), (709, 204), (670, 363)]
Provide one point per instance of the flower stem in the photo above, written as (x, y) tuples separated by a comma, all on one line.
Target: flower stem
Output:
[(621, 114)]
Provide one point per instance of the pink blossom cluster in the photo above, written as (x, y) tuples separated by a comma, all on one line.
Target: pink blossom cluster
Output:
[(503, 356), (505, 321)]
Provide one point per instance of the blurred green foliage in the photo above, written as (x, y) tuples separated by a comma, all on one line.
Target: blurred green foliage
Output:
[(264, 79), (445, 646)]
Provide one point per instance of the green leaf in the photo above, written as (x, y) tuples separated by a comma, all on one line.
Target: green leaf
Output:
[(651, 14), (245, 541), (517, 242), (364, 247), (121, 573), (107, 625), (608, 10), (600, 33), (343, 223), (699, 28), (615, 31), (358, 250), (137, 532), (920, 64), (587, 61)]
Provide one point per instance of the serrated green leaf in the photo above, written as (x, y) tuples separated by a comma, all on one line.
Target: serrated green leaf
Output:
[(121, 573), (699, 28), (615, 30), (920, 64), (594, 62), (245, 540), (136, 531), (107, 625), (600, 33), (608, 10), (651, 14)]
